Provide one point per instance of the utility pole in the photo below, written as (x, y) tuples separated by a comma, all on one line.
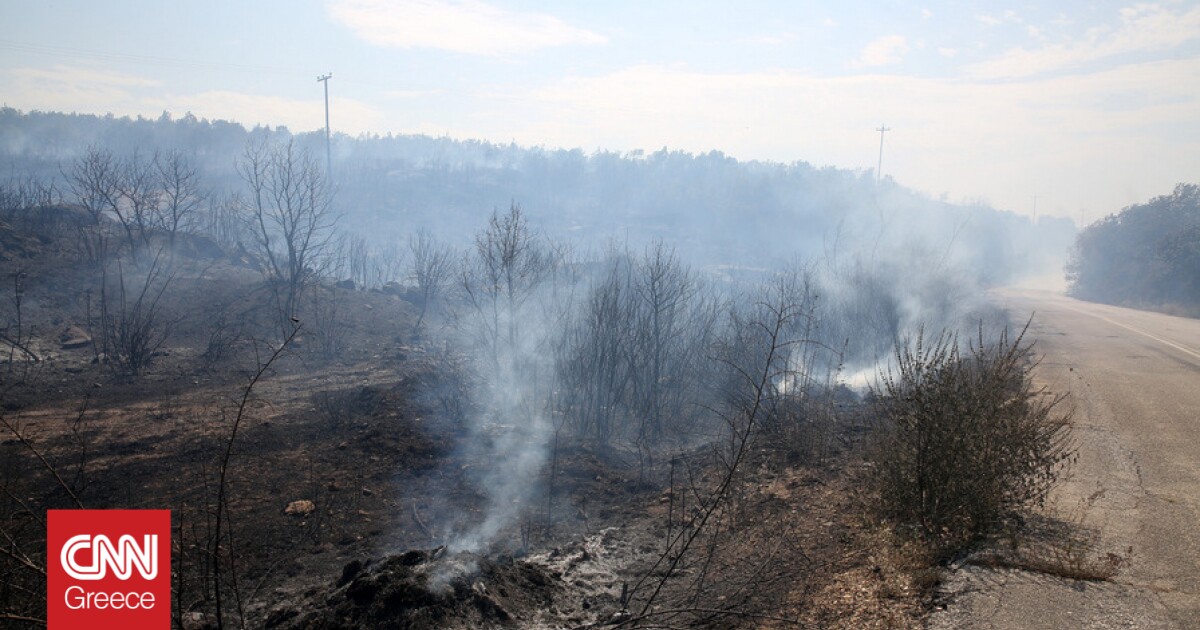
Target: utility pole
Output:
[(879, 169), (328, 151)]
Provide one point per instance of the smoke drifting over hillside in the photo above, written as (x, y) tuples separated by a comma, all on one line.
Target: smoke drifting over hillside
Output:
[(611, 297), (713, 209)]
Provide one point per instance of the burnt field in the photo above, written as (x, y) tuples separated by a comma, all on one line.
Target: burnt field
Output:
[(358, 486)]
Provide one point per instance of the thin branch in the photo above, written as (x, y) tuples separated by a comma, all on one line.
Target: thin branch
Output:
[(222, 485), (19, 556), (33, 620), (20, 346), (696, 525)]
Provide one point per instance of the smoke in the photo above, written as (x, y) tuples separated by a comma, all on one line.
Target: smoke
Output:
[(899, 268), (532, 324), (509, 436), (503, 322), (519, 300)]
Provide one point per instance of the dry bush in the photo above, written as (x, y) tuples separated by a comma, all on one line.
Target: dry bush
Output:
[(226, 331), (133, 322), (966, 442), (327, 323)]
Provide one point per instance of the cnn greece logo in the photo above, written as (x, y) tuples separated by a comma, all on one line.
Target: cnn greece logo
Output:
[(107, 574), (122, 557)]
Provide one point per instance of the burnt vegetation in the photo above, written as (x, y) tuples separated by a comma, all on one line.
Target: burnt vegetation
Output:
[(498, 422)]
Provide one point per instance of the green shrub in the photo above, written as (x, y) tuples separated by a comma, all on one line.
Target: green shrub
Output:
[(966, 441)]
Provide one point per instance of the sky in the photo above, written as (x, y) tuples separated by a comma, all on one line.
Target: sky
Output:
[(1073, 109)]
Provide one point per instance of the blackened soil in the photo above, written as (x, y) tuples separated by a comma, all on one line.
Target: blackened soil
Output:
[(422, 589)]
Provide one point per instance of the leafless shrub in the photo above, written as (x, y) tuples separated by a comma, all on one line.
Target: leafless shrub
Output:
[(799, 413), (133, 323), (633, 362), (24, 202), (181, 194), (497, 284), (290, 205), (137, 207), (596, 372), (386, 267), (451, 392), (334, 407), (326, 323), (966, 442), (144, 196), (17, 335), (94, 244), (358, 258), (225, 221), (432, 269), (718, 566), (94, 179), (351, 257), (225, 332)]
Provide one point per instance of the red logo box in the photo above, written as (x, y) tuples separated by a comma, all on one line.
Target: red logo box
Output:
[(108, 569)]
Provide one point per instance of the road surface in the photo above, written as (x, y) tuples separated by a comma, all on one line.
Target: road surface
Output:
[(1134, 377)]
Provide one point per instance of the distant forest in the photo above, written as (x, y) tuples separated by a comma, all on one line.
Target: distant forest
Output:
[(1146, 255), (717, 211)]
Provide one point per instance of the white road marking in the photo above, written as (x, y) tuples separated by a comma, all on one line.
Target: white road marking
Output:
[(1138, 331)]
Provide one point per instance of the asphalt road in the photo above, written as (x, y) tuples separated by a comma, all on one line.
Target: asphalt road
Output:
[(1134, 377)]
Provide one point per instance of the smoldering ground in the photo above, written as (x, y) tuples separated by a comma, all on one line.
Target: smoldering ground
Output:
[(617, 347)]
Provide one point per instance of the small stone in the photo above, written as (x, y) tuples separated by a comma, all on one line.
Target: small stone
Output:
[(302, 507), (75, 337)]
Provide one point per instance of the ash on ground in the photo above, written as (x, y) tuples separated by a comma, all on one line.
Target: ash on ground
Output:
[(426, 589)]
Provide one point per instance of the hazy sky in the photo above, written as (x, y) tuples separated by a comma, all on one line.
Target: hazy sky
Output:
[(1090, 106)]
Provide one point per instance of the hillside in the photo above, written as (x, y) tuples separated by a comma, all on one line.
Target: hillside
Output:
[(714, 209)]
